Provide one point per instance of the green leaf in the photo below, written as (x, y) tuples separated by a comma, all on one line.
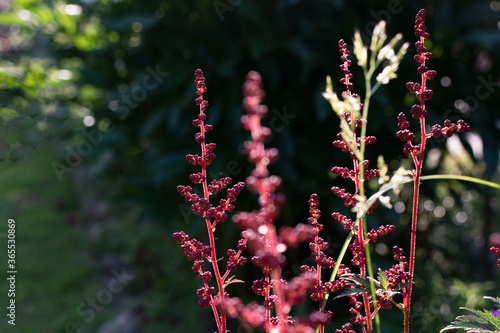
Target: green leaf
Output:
[(382, 277), (350, 292), (363, 281), (24, 123), (402, 286), (8, 115), (463, 178), (478, 321), (495, 300)]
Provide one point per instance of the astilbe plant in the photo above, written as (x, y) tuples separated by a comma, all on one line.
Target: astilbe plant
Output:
[(265, 242), (367, 293), (417, 149), (357, 247), (362, 289), (213, 216)]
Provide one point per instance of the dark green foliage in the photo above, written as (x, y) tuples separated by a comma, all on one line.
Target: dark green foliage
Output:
[(113, 46), (479, 321)]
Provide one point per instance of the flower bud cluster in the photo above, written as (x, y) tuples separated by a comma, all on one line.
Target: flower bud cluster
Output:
[(345, 172), (423, 94), (347, 328), (315, 319), (345, 68), (252, 315), (264, 241), (343, 144), (203, 207), (317, 246), (356, 310), (398, 273), (381, 231), (496, 251), (449, 128), (193, 249), (358, 253)]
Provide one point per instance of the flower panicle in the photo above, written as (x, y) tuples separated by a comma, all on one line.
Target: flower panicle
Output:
[(423, 93), (318, 246), (349, 143), (344, 67), (265, 242), (193, 249)]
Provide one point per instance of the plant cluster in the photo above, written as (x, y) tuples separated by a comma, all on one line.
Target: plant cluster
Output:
[(368, 293)]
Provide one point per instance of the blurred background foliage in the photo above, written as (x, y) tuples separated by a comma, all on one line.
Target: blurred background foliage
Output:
[(97, 100)]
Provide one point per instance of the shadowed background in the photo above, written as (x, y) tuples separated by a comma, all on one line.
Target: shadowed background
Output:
[(97, 102)]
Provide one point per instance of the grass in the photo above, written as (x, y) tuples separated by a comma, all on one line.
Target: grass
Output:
[(55, 272)]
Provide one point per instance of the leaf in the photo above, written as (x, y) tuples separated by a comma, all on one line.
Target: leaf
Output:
[(479, 321), (357, 279), (402, 286), (232, 280), (350, 292), (495, 300), (469, 327), (463, 178), (363, 281), (8, 115), (23, 123), (382, 277)]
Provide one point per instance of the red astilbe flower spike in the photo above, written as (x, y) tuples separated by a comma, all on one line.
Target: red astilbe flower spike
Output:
[(358, 173), (193, 249), (382, 231), (260, 231), (345, 67), (264, 241), (317, 246), (417, 149)]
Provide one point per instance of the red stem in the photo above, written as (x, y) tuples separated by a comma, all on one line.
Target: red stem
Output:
[(361, 239), (221, 324), (416, 188), (271, 238), (318, 276), (268, 310), (358, 178)]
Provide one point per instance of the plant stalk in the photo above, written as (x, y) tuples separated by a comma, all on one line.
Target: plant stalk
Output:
[(220, 282)]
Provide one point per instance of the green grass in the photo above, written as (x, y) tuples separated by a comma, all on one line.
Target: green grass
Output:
[(55, 272)]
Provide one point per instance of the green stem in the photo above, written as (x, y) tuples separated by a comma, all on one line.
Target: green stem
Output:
[(364, 117), (463, 178), (378, 194), (341, 257)]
